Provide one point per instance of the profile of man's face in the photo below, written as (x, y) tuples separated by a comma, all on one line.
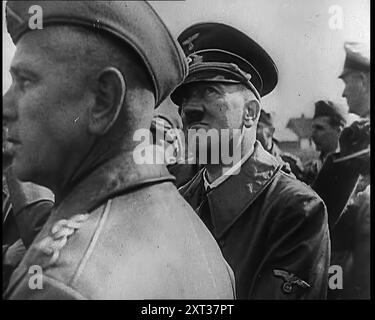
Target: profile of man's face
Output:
[(324, 135), (353, 91), (44, 108), (265, 135), (7, 150)]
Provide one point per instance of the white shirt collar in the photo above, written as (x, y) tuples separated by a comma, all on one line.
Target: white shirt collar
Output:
[(226, 174)]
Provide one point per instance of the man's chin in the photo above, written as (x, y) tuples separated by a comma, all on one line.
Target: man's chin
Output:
[(354, 108), (21, 171), (7, 161)]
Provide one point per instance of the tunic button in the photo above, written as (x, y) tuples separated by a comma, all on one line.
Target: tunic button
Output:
[(221, 243)]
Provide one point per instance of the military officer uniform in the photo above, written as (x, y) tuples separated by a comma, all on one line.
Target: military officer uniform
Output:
[(123, 231), (271, 228)]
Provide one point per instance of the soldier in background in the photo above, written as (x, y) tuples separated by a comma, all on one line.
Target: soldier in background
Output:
[(265, 135), (338, 179), (349, 207), (356, 78), (167, 125), (26, 207), (328, 122)]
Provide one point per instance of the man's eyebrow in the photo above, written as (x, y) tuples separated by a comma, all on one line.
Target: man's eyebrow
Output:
[(217, 85), (16, 70)]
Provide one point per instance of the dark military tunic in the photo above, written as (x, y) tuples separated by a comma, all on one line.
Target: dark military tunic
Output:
[(272, 229), (351, 248), (292, 162), (25, 210)]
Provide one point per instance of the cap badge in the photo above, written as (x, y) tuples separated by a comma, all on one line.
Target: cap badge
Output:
[(189, 41)]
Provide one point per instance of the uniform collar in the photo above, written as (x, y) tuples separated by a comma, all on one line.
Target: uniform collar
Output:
[(323, 157), (231, 198), (227, 174), (117, 176)]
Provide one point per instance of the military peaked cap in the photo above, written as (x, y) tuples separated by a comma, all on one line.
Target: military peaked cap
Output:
[(214, 49), (357, 58)]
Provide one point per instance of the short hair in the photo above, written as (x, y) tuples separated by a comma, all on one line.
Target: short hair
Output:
[(97, 50), (87, 53), (335, 121)]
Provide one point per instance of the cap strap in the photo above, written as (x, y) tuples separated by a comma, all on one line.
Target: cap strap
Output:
[(230, 68)]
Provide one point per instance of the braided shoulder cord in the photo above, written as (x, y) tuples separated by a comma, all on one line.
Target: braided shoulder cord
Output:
[(61, 230)]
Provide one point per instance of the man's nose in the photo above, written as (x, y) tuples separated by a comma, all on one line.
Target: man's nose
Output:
[(9, 110), (343, 93), (193, 110), (193, 106)]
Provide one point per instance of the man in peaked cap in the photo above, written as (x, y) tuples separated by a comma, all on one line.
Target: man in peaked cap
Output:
[(343, 181), (356, 77), (272, 228), (84, 84)]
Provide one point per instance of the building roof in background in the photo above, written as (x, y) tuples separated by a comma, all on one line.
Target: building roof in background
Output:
[(285, 134), (300, 126)]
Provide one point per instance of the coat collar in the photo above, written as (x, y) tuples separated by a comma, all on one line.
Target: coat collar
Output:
[(117, 176), (231, 198)]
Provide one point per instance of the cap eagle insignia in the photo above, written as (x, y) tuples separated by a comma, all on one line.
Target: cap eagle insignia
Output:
[(189, 41)]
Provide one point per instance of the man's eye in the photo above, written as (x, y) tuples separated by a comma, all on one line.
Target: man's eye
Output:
[(23, 82), (210, 91)]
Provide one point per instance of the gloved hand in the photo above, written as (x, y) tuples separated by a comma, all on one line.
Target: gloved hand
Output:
[(353, 140), (12, 256)]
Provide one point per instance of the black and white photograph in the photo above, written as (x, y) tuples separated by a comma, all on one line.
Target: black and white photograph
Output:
[(204, 151)]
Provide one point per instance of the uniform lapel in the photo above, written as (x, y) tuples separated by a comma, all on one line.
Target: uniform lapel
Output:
[(230, 199)]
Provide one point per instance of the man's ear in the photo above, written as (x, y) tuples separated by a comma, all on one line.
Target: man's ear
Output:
[(365, 81), (110, 94), (251, 113)]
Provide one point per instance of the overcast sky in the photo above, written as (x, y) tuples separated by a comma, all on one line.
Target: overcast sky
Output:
[(296, 33)]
